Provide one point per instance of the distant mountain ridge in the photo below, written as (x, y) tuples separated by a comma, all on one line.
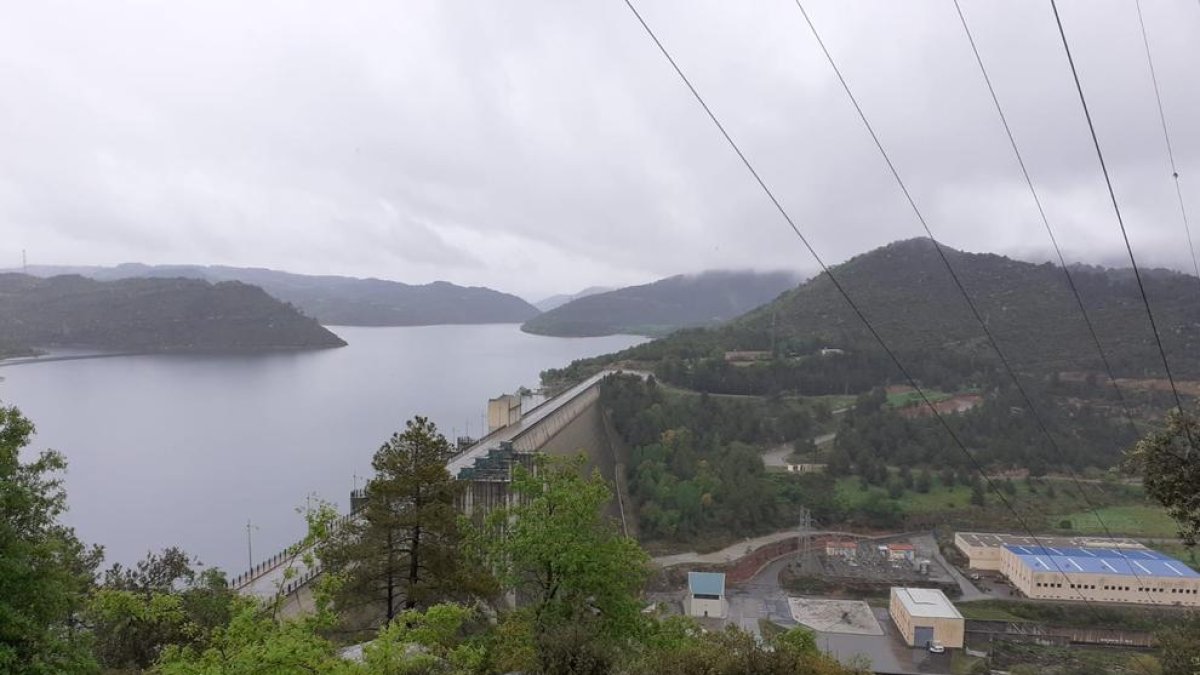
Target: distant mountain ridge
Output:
[(663, 306), (346, 301), (149, 315), (556, 301)]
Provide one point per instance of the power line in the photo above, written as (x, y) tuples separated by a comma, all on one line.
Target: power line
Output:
[(841, 290), (1162, 117), (1062, 262), (1087, 114), (1037, 200), (946, 262)]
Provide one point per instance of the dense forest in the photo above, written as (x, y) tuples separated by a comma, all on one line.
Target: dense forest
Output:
[(150, 315), (343, 301), (1001, 434), (663, 306), (696, 471)]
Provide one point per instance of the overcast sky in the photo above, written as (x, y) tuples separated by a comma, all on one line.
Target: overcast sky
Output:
[(541, 147)]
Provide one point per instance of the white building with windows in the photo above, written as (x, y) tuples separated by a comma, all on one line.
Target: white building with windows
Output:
[(1100, 574)]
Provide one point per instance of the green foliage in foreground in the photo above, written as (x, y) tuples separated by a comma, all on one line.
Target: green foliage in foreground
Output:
[(416, 642), (135, 613), (1169, 461), (451, 639), (580, 579), (556, 550), (44, 569)]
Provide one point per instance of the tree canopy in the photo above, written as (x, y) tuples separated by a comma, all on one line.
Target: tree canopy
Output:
[(45, 571)]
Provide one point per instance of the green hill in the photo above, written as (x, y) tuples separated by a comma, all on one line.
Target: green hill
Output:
[(663, 306), (343, 301), (149, 315), (905, 291), (907, 294)]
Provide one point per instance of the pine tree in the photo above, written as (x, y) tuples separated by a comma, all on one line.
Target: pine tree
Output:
[(404, 548)]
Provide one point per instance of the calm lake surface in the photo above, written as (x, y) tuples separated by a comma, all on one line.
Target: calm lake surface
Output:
[(183, 449)]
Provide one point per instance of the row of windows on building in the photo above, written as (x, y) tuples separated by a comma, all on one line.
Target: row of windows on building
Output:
[(1186, 591)]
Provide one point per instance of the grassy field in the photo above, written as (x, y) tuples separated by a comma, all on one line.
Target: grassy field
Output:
[(1141, 520), (1046, 506)]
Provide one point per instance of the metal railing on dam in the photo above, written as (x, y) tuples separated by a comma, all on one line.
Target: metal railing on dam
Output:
[(270, 577)]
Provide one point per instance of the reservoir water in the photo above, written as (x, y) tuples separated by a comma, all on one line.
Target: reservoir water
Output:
[(183, 449)]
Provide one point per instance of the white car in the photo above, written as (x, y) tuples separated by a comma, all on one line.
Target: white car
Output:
[(936, 647)]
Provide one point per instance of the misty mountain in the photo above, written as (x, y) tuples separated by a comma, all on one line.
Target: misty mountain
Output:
[(345, 301), (905, 291), (556, 301), (663, 306), (146, 315)]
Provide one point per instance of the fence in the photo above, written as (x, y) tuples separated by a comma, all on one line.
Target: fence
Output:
[(281, 558)]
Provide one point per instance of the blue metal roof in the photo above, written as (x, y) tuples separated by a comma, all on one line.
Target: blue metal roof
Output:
[(1121, 562), (706, 583)]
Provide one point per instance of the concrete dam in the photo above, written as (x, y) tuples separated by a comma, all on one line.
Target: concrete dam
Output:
[(568, 424)]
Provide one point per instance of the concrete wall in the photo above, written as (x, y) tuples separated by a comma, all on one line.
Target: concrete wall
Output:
[(706, 607), (503, 411), (580, 427)]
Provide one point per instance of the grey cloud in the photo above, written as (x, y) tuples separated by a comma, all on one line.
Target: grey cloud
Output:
[(538, 146)]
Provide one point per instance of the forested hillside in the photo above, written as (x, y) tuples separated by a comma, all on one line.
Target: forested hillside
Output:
[(906, 293), (663, 306), (150, 315), (345, 301)]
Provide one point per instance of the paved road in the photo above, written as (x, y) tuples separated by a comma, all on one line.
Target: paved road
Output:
[(969, 591), (727, 554), (271, 581), (735, 551), (777, 456)]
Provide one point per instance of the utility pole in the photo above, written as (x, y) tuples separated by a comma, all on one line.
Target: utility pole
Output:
[(249, 545), (806, 526), (24, 262)]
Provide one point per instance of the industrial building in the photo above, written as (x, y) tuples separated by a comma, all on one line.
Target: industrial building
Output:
[(841, 548), (1100, 574), (901, 552), (706, 595), (924, 616), (983, 548)]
